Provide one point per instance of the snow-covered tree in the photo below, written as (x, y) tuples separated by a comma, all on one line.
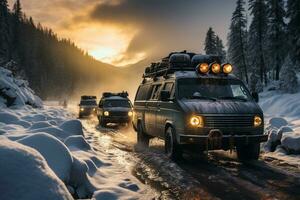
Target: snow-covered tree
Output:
[(276, 35), (210, 45), (293, 13), (257, 38), (237, 40), (288, 79), (255, 83), (220, 49), (4, 31)]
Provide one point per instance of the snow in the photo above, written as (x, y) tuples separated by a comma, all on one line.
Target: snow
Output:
[(282, 124), (77, 142), (15, 92), (53, 150), (25, 174)]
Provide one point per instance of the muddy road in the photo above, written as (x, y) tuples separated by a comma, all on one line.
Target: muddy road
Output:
[(216, 175)]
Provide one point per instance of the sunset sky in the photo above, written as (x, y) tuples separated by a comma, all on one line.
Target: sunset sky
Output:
[(122, 32)]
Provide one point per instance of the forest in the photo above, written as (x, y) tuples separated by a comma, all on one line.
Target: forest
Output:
[(263, 45), (264, 50)]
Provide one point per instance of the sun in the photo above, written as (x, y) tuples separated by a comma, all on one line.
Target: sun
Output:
[(106, 43)]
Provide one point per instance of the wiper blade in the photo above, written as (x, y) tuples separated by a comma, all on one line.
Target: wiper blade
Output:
[(233, 98), (204, 97)]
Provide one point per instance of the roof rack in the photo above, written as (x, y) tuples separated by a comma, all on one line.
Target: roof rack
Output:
[(86, 97), (178, 61), (123, 94)]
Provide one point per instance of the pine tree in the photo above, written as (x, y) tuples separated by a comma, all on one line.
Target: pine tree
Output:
[(220, 49), (210, 42), (288, 79), (16, 23), (4, 32), (293, 13), (257, 38), (276, 44), (237, 40)]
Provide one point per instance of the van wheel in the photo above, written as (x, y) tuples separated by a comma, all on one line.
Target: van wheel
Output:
[(142, 138), (102, 122), (172, 149), (248, 152)]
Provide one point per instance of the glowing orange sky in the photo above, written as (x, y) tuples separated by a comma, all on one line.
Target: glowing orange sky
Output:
[(122, 32)]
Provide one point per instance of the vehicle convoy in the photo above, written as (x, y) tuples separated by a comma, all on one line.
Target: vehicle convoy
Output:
[(114, 108), (193, 102), (87, 106)]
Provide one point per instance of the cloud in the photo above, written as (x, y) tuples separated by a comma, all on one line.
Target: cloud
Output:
[(125, 31), (164, 25)]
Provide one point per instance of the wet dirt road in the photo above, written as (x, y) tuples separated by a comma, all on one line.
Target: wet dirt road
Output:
[(217, 175)]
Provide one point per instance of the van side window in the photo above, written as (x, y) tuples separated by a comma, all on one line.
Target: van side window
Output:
[(155, 92), (143, 93), (169, 87)]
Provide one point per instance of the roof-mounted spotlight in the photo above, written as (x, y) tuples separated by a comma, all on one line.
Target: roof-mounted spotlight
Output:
[(215, 68), (203, 68), (227, 68)]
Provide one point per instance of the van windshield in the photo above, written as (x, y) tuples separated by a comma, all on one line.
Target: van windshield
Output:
[(88, 103), (212, 89), (116, 103)]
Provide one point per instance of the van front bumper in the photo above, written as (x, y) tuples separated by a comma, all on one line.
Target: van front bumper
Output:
[(223, 142)]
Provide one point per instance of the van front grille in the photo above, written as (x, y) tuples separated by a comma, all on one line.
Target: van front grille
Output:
[(118, 113), (228, 121)]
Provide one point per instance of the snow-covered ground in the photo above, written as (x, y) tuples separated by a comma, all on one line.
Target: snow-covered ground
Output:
[(44, 153), (282, 122)]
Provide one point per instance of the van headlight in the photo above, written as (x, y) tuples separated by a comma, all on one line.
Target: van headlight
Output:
[(130, 113), (81, 109), (106, 113), (257, 121), (197, 121)]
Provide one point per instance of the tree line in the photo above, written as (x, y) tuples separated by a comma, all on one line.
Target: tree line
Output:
[(54, 66), (267, 50)]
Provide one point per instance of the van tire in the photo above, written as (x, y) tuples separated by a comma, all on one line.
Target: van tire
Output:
[(172, 149), (142, 137), (248, 152), (102, 122)]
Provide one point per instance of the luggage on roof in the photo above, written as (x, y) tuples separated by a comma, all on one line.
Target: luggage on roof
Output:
[(123, 94), (86, 97)]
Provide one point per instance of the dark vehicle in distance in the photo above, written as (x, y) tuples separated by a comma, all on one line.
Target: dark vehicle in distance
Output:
[(87, 106), (115, 108), (193, 102)]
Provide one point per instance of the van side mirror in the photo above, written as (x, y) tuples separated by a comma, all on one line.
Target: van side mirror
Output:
[(165, 95), (255, 96)]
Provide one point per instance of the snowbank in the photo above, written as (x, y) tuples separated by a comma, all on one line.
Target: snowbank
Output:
[(15, 92), (54, 151), (25, 174), (282, 114)]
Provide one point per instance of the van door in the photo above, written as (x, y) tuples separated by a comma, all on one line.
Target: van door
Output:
[(151, 109), (140, 103), (165, 110)]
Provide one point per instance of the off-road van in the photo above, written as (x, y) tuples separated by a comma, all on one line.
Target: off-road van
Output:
[(115, 108), (87, 106), (192, 101)]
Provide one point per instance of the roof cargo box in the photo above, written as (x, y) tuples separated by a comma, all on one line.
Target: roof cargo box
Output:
[(198, 58), (179, 60), (123, 94)]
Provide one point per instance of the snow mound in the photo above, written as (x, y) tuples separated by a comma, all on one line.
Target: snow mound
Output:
[(54, 131), (73, 127), (278, 122), (79, 179), (113, 193), (16, 92), (39, 125), (26, 175), (10, 118), (54, 151), (291, 144), (77, 142)]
